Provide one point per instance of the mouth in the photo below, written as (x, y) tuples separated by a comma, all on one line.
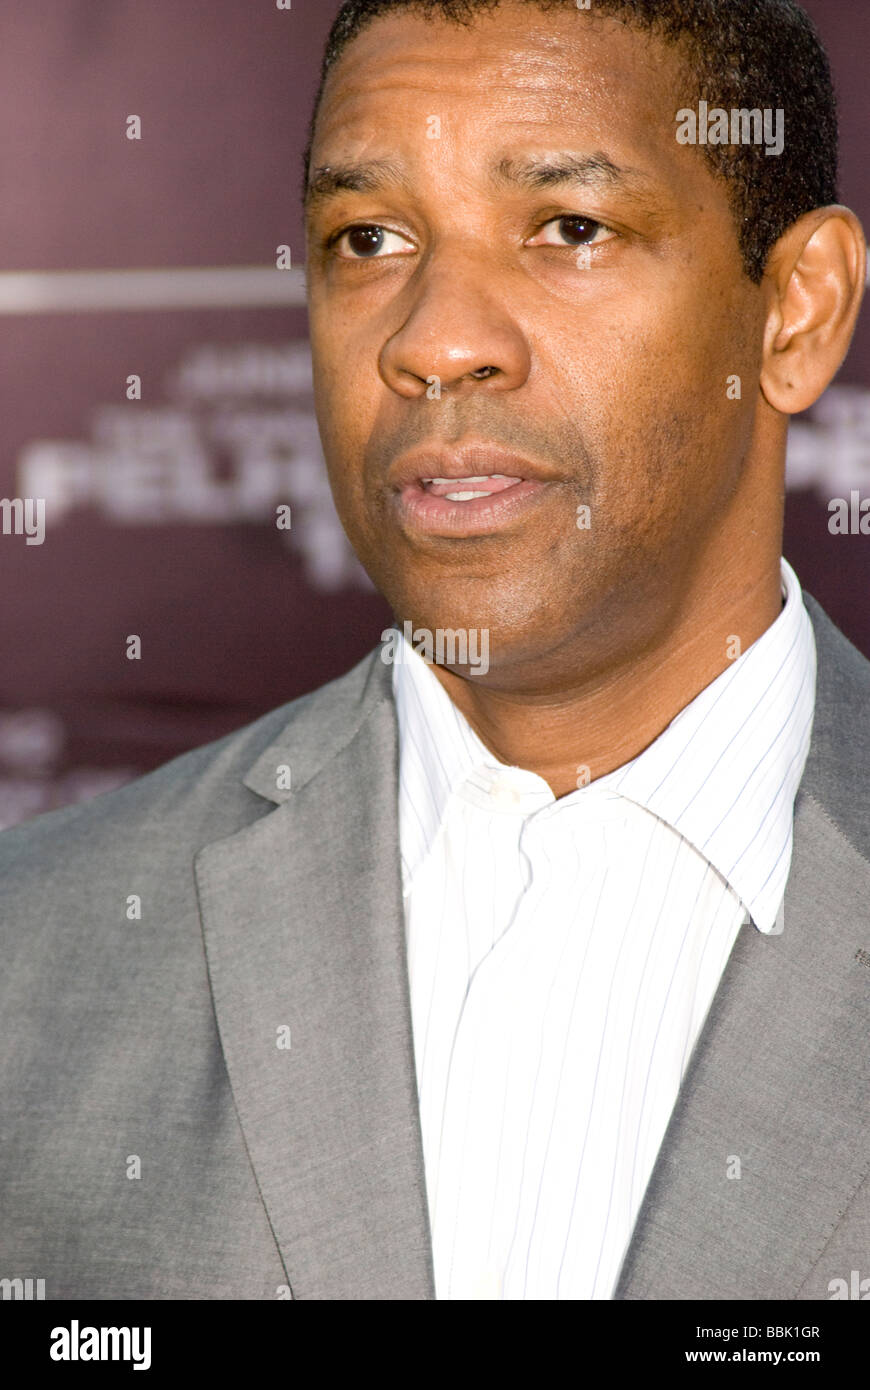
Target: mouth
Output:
[(472, 491), (469, 489)]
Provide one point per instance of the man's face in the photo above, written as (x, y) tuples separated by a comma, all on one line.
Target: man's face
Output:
[(588, 325)]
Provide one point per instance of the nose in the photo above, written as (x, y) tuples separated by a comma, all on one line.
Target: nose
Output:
[(458, 330)]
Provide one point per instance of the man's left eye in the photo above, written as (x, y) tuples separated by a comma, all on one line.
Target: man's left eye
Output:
[(577, 231)]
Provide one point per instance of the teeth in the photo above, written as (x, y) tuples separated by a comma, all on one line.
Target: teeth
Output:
[(478, 478), (464, 496)]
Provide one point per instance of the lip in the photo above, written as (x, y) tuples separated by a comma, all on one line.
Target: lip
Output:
[(421, 511)]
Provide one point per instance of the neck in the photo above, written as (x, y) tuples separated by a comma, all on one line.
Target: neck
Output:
[(588, 725)]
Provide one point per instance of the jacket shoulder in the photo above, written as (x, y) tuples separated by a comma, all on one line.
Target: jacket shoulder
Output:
[(195, 798), (836, 769)]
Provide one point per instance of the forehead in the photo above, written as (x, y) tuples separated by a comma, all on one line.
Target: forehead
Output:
[(513, 73)]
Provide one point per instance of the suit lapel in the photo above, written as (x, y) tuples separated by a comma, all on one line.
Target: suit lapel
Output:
[(303, 925), (779, 1077)]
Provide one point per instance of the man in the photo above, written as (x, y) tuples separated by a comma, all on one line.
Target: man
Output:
[(529, 959)]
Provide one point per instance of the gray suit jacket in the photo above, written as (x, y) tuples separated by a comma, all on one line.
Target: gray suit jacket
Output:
[(265, 1169)]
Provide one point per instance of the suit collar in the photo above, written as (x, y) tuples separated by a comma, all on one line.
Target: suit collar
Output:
[(321, 726)]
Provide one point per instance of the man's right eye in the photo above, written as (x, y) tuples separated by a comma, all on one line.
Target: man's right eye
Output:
[(367, 241)]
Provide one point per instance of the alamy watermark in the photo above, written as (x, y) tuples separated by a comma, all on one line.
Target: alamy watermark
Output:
[(853, 1288), (849, 516), (23, 516), (715, 126), (76, 1343), (446, 646), (25, 1289)]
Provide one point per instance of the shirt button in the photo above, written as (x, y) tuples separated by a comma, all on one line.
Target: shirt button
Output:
[(503, 794)]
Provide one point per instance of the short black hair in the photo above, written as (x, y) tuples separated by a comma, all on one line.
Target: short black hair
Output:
[(739, 54)]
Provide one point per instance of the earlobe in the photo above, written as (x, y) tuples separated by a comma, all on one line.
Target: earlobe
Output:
[(815, 278)]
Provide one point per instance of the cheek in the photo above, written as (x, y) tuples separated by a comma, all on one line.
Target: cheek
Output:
[(336, 411), (668, 442), (678, 361)]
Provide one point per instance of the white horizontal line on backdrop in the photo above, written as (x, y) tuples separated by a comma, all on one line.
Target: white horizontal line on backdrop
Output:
[(104, 291)]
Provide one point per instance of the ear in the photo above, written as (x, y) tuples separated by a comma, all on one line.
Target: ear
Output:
[(814, 283)]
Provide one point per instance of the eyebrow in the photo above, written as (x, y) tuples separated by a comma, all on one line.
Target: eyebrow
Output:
[(533, 173), (592, 170), (369, 176)]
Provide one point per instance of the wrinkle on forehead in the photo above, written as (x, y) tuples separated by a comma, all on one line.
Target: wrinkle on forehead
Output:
[(595, 80), (446, 60)]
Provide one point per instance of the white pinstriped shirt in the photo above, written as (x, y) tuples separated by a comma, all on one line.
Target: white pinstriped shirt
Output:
[(563, 956)]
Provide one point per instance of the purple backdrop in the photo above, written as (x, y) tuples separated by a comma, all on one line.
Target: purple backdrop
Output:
[(161, 513)]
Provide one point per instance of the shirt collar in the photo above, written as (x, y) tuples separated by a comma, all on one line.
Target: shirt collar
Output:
[(724, 773), (438, 750)]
